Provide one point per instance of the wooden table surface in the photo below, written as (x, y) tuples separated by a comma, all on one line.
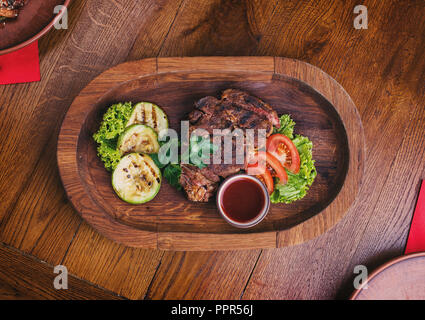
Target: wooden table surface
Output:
[(382, 68)]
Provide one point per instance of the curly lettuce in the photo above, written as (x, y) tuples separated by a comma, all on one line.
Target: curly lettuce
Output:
[(113, 124), (287, 126), (298, 184)]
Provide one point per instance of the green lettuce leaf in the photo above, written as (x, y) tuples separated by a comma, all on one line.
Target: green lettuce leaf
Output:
[(286, 126), (113, 124), (298, 184)]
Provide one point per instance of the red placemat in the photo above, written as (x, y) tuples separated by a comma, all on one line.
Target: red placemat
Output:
[(20, 66), (416, 239)]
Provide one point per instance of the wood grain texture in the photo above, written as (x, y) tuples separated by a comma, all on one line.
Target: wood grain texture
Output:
[(204, 275), (46, 230), (374, 230), (53, 100), (382, 68), (126, 271), (339, 98), (174, 84), (17, 274)]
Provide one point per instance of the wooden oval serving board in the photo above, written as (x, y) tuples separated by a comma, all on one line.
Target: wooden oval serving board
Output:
[(321, 108)]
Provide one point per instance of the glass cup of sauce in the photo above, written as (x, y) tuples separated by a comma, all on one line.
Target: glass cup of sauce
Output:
[(243, 200)]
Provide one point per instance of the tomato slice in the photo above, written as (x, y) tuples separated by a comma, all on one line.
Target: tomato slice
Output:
[(263, 174), (267, 179), (285, 151), (261, 163)]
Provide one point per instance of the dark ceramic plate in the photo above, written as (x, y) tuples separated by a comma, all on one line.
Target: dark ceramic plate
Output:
[(35, 19), (400, 279)]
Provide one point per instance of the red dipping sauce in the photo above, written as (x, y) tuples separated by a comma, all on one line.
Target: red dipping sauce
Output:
[(243, 200)]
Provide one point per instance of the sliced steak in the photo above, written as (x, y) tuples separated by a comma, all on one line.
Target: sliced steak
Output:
[(235, 110), (225, 170), (251, 103), (199, 184), (211, 113)]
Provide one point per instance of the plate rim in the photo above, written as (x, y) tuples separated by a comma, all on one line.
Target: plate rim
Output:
[(302, 71), (384, 267), (40, 34)]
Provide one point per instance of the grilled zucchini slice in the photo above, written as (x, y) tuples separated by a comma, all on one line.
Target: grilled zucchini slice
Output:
[(149, 114), (138, 138), (136, 179)]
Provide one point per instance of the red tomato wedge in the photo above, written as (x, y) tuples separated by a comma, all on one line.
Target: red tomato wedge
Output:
[(260, 164), (264, 175), (285, 151), (268, 181)]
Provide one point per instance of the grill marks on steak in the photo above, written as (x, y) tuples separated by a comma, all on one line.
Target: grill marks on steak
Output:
[(199, 184), (247, 102), (236, 109), (230, 113)]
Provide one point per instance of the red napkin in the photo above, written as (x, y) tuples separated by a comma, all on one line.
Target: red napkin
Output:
[(20, 66), (416, 239)]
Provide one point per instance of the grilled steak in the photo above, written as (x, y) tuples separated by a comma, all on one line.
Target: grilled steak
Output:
[(245, 101), (199, 184), (235, 110)]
